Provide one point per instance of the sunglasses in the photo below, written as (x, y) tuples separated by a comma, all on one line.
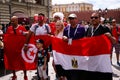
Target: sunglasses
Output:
[(95, 17), (71, 18), (114, 22)]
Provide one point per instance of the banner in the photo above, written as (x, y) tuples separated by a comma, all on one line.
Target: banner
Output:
[(89, 54), (46, 39), (14, 56)]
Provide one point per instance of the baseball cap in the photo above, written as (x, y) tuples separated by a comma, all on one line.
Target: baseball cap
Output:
[(113, 20), (72, 16), (40, 41), (58, 14)]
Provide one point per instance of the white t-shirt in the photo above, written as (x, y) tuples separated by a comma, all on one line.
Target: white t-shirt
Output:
[(40, 30), (60, 35)]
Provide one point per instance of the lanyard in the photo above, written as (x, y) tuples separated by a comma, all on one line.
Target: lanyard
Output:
[(74, 32), (93, 31)]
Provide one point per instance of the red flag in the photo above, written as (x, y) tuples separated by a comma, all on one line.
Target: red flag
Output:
[(85, 47), (88, 54), (14, 56), (46, 39)]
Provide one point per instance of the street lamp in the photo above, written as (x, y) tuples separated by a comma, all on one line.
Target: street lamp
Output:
[(102, 13), (10, 8), (48, 10)]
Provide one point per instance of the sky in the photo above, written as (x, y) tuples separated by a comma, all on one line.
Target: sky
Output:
[(110, 4)]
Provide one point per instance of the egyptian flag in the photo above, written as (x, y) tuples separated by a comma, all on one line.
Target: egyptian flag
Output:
[(87, 55), (14, 56)]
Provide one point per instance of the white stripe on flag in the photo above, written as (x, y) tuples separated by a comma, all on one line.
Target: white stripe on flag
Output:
[(99, 63)]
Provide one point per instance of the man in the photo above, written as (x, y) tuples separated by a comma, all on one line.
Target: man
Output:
[(37, 29), (116, 34), (96, 30), (72, 32), (18, 30), (35, 18)]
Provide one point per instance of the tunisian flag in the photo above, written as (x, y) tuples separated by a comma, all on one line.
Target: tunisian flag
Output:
[(87, 54), (14, 56)]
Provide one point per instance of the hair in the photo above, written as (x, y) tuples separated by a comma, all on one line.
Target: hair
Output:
[(15, 17), (62, 24), (41, 14)]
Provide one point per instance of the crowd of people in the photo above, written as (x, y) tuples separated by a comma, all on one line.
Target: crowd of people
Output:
[(67, 31)]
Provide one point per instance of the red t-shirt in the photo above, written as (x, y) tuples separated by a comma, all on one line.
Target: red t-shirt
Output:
[(19, 30), (52, 27), (114, 32), (65, 24)]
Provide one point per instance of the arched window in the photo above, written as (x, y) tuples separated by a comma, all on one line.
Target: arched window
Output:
[(41, 2)]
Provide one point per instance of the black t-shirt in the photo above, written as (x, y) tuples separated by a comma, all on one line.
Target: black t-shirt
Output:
[(99, 31), (41, 55)]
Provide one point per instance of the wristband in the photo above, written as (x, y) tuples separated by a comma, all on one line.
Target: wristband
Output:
[(25, 44)]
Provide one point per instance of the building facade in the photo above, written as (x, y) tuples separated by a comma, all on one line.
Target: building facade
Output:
[(111, 14), (66, 8), (23, 9)]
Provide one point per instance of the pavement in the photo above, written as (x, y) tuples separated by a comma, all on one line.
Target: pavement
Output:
[(32, 76)]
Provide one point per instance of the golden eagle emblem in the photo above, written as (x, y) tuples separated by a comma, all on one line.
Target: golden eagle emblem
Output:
[(74, 63)]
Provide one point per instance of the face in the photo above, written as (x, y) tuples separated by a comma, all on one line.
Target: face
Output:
[(59, 26), (39, 45), (40, 19), (72, 21), (56, 18), (114, 23), (35, 19), (95, 19), (0, 27), (14, 22)]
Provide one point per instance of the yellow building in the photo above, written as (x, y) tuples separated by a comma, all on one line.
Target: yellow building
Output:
[(66, 8)]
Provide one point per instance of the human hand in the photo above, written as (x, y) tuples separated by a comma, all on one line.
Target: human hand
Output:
[(65, 38), (44, 67), (113, 39), (25, 48), (108, 34)]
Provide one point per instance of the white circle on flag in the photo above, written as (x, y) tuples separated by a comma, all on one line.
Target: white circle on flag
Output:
[(31, 53)]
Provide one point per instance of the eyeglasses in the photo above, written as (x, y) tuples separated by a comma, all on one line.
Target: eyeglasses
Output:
[(71, 18), (113, 22), (95, 17)]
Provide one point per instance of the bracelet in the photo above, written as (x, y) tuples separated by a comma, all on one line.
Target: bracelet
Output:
[(25, 44)]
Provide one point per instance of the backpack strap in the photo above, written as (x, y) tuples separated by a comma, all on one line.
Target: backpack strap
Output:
[(46, 26), (117, 28), (36, 26)]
